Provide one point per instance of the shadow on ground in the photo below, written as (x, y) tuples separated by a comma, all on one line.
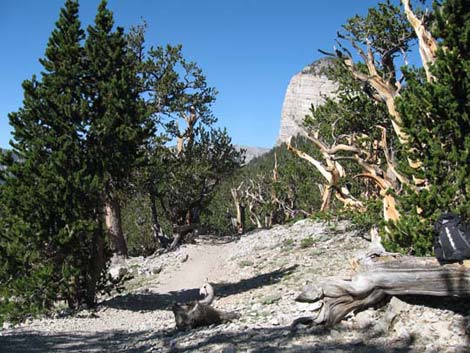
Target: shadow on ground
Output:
[(163, 301), (260, 340), (457, 305)]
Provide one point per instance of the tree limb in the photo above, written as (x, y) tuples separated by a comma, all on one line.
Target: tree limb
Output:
[(427, 44)]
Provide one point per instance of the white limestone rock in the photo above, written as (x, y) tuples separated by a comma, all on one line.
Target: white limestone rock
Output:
[(307, 87)]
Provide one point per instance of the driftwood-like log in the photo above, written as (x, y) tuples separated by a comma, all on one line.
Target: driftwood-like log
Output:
[(334, 298)]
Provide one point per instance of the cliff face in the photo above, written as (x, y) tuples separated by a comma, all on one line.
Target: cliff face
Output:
[(305, 88)]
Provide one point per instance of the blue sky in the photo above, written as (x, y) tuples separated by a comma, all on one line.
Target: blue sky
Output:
[(248, 49)]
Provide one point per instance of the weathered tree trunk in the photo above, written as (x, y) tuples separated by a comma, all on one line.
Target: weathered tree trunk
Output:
[(180, 232), (427, 44), (114, 227), (240, 208), (253, 216), (188, 135), (383, 276), (332, 171), (156, 227)]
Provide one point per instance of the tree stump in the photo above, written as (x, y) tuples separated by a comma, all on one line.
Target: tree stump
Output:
[(379, 277)]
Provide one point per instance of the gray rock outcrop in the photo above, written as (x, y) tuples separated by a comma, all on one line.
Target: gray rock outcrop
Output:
[(307, 87), (252, 152)]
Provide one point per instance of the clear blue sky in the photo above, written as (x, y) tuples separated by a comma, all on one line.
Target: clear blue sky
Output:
[(248, 49)]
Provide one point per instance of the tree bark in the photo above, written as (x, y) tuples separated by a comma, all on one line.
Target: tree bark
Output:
[(332, 172), (156, 227), (381, 277), (179, 233), (240, 208), (427, 44), (96, 267), (114, 227)]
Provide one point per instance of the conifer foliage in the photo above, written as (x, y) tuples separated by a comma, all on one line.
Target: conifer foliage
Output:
[(436, 115), (51, 233), (86, 135), (117, 127)]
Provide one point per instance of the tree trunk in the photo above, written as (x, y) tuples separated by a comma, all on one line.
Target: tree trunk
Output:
[(381, 277), (96, 267), (427, 44), (157, 232), (114, 227), (240, 208), (179, 233)]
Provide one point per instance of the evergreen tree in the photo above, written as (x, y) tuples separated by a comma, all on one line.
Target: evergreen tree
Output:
[(51, 232), (436, 115), (178, 181), (117, 127)]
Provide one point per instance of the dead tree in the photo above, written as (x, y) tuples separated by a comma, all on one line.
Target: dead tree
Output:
[(332, 171), (379, 275), (427, 44), (239, 207)]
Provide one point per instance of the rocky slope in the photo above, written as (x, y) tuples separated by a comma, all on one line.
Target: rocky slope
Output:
[(305, 88), (259, 276), (252, 152)]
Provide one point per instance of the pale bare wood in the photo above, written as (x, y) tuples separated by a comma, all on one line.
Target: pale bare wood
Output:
[(391, 164), (188, 135), (387, 275), (237, 199), (427, 43), (114, 229), (332, 172), (386, 92), (317, 164), (390, 211)]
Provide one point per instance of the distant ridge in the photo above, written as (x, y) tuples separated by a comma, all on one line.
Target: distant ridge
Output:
[(252, 152)]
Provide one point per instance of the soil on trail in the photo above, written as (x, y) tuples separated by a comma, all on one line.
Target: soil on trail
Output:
[(257, 275), (205, 262)]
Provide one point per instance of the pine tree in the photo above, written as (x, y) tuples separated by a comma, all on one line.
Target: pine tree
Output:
[(436, 115), (178, 182), (51, 233), (117, 128)]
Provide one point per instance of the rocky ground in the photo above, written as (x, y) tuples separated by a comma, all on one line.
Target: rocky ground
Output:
[(258, 276)]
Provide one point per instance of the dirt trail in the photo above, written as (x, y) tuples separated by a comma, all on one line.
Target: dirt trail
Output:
[(201, 263)]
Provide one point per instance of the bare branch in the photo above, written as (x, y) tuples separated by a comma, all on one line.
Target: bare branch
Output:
[(317, 164), (427, 44)]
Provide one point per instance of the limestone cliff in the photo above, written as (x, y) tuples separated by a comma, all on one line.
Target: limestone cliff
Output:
[(305, 88)]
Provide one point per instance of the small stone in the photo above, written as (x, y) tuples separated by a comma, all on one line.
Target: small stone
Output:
[(118, 272), (7, 325), (157, 270)]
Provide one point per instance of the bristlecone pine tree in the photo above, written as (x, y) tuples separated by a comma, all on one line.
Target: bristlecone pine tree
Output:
[(51, 239), (178, 181), (436, 115)]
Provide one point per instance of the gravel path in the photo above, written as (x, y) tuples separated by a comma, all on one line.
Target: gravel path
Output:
[(259, 276)]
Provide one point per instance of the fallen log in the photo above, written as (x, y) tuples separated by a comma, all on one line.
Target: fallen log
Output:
[(376, 279)]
